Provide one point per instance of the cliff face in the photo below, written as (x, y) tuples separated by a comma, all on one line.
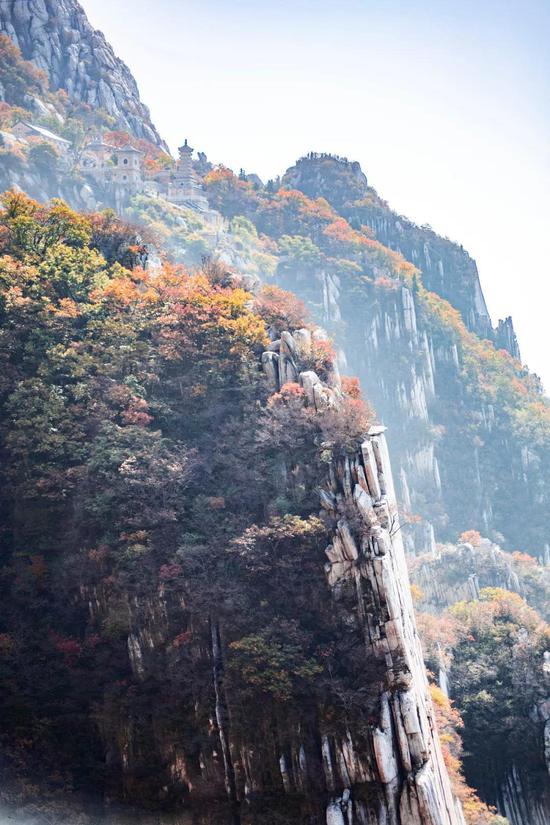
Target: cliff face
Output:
[(446, 267), (211, 612), (460, 457), (366, 571), (458, 460), (57, 36), (459, 572), (385, 771), (219, 643)]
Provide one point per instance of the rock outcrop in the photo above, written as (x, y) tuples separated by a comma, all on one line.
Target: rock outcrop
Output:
[(459, 572), (57, 36), (505, 337), (401, 763), (414, 373)]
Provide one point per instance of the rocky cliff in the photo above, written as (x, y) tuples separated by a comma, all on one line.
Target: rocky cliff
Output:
[(366, 571), (458, 572), (204, 571), (469, 425), (460, 457), (446, 267), (57, 36), (207, 605)]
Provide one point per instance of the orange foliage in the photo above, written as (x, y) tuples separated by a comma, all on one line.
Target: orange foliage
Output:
[(339, 231), (290, 393), (386, 283), (318, 208), (280, 310), (322, 357), (351, 386), (346, 424), (497, 376), (471, 537), (449, 723), (496, 604), (524, 558), (439, 634), (221, 174)]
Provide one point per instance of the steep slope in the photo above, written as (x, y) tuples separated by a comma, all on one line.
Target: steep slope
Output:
[(489, 650), (458, 572), (182, 625), (446, 268), (470, 428), (57, 36)]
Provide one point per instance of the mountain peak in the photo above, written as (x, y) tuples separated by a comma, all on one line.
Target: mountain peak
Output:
[(58, 38), (320, 174)]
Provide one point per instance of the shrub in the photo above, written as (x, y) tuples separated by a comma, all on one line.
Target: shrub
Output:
[(470, 537), (44, 156), (344, 426), (280, 310)]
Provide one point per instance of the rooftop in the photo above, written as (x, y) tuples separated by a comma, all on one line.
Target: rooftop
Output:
[(45, 133), (128, 148)]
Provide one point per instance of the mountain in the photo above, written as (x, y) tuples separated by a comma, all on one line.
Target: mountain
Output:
[(446, 268), (469, 425), (207, 611), (182, 623), (58, 38)]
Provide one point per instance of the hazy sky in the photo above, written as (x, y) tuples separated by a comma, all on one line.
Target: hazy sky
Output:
[(445, 104)]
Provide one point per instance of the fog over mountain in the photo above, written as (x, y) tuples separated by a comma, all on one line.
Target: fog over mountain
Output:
[(274, 477)]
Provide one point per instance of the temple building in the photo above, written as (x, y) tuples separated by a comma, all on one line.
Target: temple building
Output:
[(96, 158), (126, 169), (121, 170), (183, 187), (23, 130)]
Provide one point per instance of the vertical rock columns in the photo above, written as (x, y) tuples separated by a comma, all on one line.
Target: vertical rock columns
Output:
[(403, 760)]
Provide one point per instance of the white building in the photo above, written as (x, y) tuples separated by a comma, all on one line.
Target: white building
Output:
[(126, 168)]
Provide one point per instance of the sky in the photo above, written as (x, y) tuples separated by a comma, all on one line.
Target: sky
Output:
[(446, 105)]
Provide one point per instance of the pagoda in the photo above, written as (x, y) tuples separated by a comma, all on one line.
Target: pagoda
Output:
[(184, 187)]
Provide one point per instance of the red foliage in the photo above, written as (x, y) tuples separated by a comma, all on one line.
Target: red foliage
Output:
[(289, 394), (280, 310), (70, 648), (136, 413), (346, 424), (171, 571), (182, 639), (523, 558), (351, 386)]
